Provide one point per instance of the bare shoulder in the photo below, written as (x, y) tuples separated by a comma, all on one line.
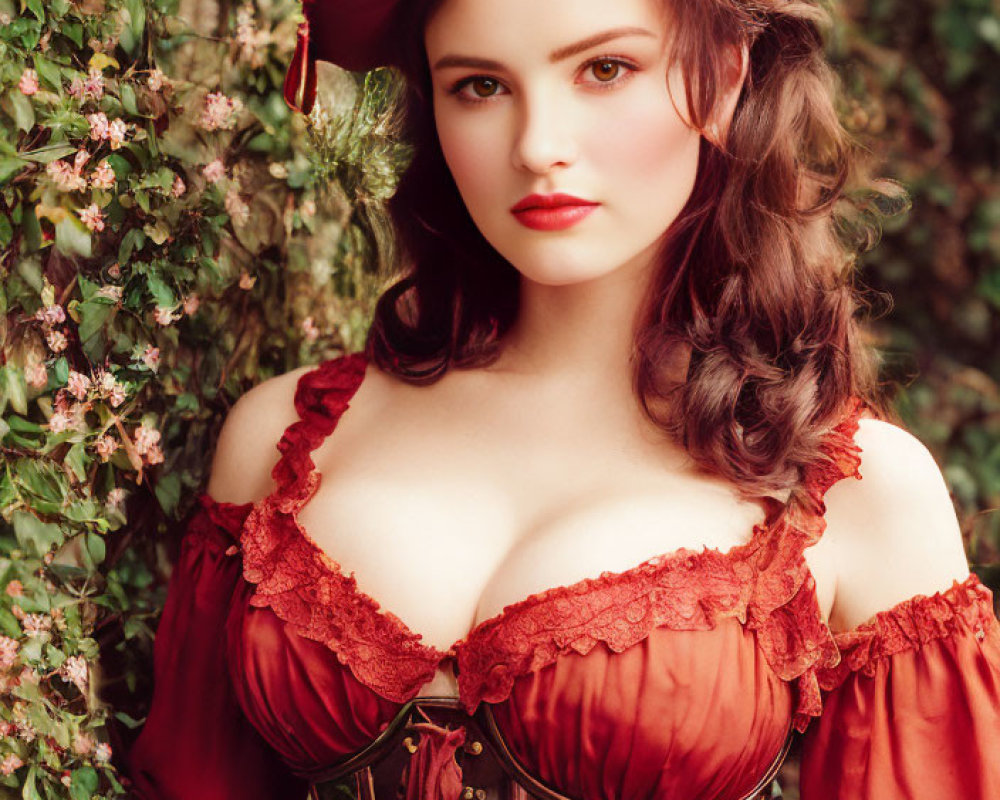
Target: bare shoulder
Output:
[(894, 533), (247, 449)]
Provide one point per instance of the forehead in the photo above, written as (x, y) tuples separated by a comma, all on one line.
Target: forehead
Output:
[(498, 26)]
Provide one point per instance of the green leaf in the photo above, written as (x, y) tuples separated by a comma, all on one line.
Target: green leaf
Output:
[(9, 167), (96, 548), (72, 237), (36, 8), (128, 100), (32, 230), (168, 492), (30, 790), (74, 31), (83, 783), (76, 459), (50, 152), (13, 389), (133, 240), (94, 315), (34, 536), (9, 624), (48, 72), (6, 235), (23, 111), (162, 293)]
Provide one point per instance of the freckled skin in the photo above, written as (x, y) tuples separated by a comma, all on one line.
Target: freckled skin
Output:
[(564, 127)]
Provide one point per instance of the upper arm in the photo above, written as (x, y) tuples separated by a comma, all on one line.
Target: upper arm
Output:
[(894, 533), (247, 449)]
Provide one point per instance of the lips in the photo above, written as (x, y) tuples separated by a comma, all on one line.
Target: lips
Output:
[(551, 212)]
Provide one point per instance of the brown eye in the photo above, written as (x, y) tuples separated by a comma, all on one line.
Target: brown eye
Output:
[(606, 70), (484, 87)]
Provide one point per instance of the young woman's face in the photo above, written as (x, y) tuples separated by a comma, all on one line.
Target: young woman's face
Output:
[(570, 97)]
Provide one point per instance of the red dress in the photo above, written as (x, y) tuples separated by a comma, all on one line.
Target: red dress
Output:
[(678, 678)]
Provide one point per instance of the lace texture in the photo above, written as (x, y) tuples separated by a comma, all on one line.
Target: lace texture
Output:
[(294, 576), (965, 607), (765, 584)]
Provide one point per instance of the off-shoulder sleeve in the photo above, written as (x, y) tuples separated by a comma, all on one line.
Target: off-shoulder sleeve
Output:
[(913, 708), (196, 743)]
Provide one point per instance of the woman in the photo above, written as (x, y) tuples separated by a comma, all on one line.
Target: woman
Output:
[(583, 529)]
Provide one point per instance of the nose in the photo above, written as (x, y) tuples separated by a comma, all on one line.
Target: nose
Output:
[(543, 138)]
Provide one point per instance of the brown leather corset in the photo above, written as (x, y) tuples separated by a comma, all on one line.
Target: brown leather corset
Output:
[(434, 750)]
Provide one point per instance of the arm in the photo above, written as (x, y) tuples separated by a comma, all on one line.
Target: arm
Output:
[(913, 709), (196, 743)]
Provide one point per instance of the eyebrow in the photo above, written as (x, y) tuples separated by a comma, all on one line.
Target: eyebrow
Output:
[(561, 54)]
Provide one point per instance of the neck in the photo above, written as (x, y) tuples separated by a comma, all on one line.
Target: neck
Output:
[(580, 333)]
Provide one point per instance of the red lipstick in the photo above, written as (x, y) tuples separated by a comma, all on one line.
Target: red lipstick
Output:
[(551, 212)]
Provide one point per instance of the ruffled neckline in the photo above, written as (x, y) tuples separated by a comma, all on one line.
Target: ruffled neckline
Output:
[(765, 583)]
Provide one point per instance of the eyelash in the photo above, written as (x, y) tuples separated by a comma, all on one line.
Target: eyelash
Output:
[(630, 70)]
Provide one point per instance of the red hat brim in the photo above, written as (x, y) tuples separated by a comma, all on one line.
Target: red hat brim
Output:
[(353, 34)]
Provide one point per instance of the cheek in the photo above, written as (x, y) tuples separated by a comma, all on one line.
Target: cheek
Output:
[(650, 152), (470, 151)]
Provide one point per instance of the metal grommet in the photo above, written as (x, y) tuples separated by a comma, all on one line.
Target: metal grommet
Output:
[(480, 794), (467, 793), (980, 634), (409, 745), (475, 748)]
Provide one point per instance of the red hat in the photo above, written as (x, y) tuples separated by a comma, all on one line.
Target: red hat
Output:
[(353, 34)]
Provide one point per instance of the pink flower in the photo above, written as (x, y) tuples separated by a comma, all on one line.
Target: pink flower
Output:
[(115, 271), (51, 315), (236, 206), (110, 291), (116, 497), (118, 395), (310, 329), (56, 341), (65, 177), (75, 670), (37, 376), (155, 80), (8, 652), (102, 753), (59, 422), (154, 455), (219, 112), (191, 303), (92, 217), (76, 88), (151, 357), (10, 763), (36, 624), (178, 188), (116, 133), (94, 85), (83, 743), (145, 437), (164, 315), (215, 171), (78, 384), (99, 127), (105, 382), (246, 281), (105, 447), (15, 588), (103, 177), (29, 82)]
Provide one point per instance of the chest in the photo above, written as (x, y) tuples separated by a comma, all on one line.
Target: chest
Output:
[(447, 511)]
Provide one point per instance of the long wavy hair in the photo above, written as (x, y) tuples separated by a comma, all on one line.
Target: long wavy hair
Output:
[(750, 345)]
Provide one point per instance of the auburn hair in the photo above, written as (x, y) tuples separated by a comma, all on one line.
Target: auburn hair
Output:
[(750, 345)]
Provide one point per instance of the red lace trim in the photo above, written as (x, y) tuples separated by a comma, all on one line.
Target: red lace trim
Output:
[(765, 584), (301, 584), (965, 607)]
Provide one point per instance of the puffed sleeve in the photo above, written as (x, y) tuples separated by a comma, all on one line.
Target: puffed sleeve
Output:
[(913, 708), (196, 743)]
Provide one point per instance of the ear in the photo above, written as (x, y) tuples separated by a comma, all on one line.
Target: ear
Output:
[(735, 69)]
